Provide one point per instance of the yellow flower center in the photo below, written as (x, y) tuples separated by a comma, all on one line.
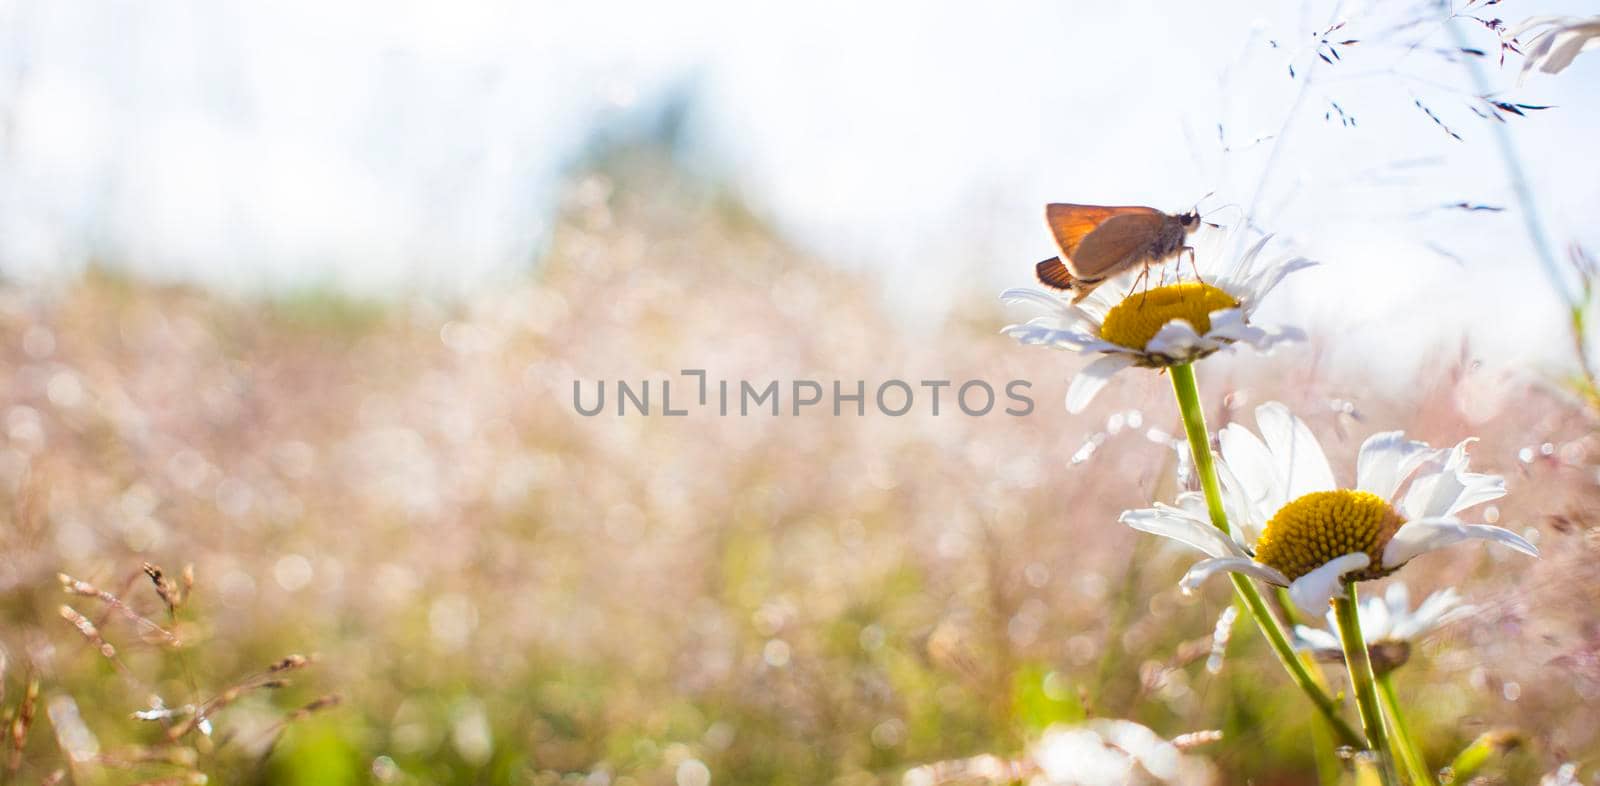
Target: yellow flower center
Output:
[(1140, 315), (1324, 525)]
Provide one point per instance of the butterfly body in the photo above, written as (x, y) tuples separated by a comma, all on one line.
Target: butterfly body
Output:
[(1098, 242)]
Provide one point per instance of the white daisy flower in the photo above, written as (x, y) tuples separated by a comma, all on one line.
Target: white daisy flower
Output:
[(1160, 326), (1294, 527), (1388, 624)]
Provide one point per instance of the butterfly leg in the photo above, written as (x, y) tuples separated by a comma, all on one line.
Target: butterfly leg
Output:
[(1144, 277), (1192, 265)]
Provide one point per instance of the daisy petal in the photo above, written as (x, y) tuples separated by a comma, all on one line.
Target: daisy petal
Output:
[(1316, 638), (1279, 335), (1267, 280), (1092, 378), (1247, 457), (1194, 503), (1231, 324), (1476, 490), (1236, 277), (1035, 297), (1386, 460), (1398, 596), (1245, 520), (1437, 609), (1300, 459), (1178, 340), (1377, 618), (1444, 487), (1312, 591), (1179, 525), (1418, 537), (1205, 569)]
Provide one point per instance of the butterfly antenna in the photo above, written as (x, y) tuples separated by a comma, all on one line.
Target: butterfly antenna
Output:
[(1220, 208)]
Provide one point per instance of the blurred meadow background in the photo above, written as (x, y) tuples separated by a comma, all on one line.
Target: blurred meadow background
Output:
[(295, 296)]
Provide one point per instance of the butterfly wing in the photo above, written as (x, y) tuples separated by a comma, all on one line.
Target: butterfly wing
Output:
[(1118, 238), (1071, 224), (1054, 275)]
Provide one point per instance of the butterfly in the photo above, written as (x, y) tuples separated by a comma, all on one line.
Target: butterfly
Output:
[(1098, 242)]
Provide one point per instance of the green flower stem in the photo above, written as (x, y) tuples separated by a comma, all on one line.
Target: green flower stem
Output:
[(1194, 425), (1363, 683), (1405, 744)]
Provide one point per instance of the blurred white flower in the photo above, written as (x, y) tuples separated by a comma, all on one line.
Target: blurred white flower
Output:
[(1292, 526), (1160, 326), (1098, 752), (1565, 775), (1388, 624), (1112, 753), (1560, 41)]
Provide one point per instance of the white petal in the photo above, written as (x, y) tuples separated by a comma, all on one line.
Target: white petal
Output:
[(1224, 319), (1444, 487), (1270, 336), (1231, 325), (1386, 460), (1432, 612), (1035, 297), (1261, 284), (1194, 503), (1316, 638), (1312, 591), (1175, 523), (1300, 459), (1252, 465), (1376, 619), (1418, 537), (1047, 331), (1398, 598), (1332, 619), (1477, 489), (1178, 340), (1237, 278), (1062, 315), (1245, 519), (1454, 613), (1205, 569), (1092, 378), (1261, 338), (1089, 345)]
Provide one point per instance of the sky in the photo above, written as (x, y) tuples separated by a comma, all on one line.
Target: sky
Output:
[(419, 146)]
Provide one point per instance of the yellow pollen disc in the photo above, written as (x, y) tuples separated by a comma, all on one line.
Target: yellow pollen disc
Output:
[(1323, 525), (1140, 315)]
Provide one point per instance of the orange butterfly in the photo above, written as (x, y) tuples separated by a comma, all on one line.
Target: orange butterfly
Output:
[(1098, 242)]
